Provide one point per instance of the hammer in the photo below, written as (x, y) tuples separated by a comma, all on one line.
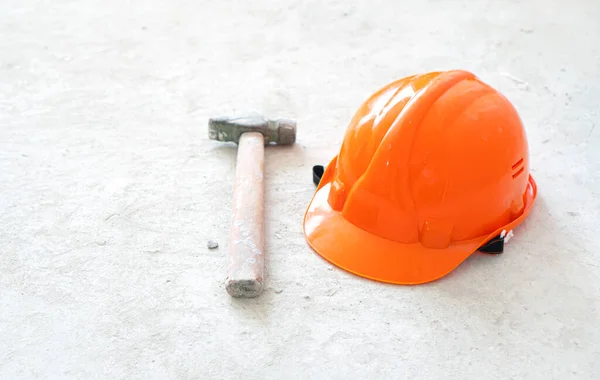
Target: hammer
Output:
[(245, 275)]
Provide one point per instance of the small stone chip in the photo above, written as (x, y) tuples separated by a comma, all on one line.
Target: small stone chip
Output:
[(211, 244)]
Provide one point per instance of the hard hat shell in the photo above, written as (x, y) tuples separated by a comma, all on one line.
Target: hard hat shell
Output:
[(431, 168)]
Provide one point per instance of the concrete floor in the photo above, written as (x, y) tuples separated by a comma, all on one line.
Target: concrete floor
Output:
[(109, 190)]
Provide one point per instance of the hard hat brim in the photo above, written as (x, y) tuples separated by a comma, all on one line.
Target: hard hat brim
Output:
[(366, 255)]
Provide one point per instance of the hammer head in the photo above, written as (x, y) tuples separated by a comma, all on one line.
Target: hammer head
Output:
[(276, 131)]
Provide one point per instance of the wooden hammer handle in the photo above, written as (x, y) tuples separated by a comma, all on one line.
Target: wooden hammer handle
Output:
[(245, 275)]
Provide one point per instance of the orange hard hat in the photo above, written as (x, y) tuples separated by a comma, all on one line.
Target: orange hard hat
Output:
[(433, 168)]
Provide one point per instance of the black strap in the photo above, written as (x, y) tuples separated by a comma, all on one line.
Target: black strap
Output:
[(318, 171), (494, 246)]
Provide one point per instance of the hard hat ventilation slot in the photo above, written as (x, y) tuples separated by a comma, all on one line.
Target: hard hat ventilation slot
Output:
[(517, 164), (518, 167), (519, 172)]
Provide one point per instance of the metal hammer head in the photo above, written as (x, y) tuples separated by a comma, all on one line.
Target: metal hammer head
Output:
[(275, 131)]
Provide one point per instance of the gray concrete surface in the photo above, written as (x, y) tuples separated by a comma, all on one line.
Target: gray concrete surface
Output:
[(110, 188)]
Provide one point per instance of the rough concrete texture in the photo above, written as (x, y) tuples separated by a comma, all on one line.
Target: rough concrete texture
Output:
[(110, 188)]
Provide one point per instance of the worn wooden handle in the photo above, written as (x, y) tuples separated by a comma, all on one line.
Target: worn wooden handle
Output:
[(245, 275)]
